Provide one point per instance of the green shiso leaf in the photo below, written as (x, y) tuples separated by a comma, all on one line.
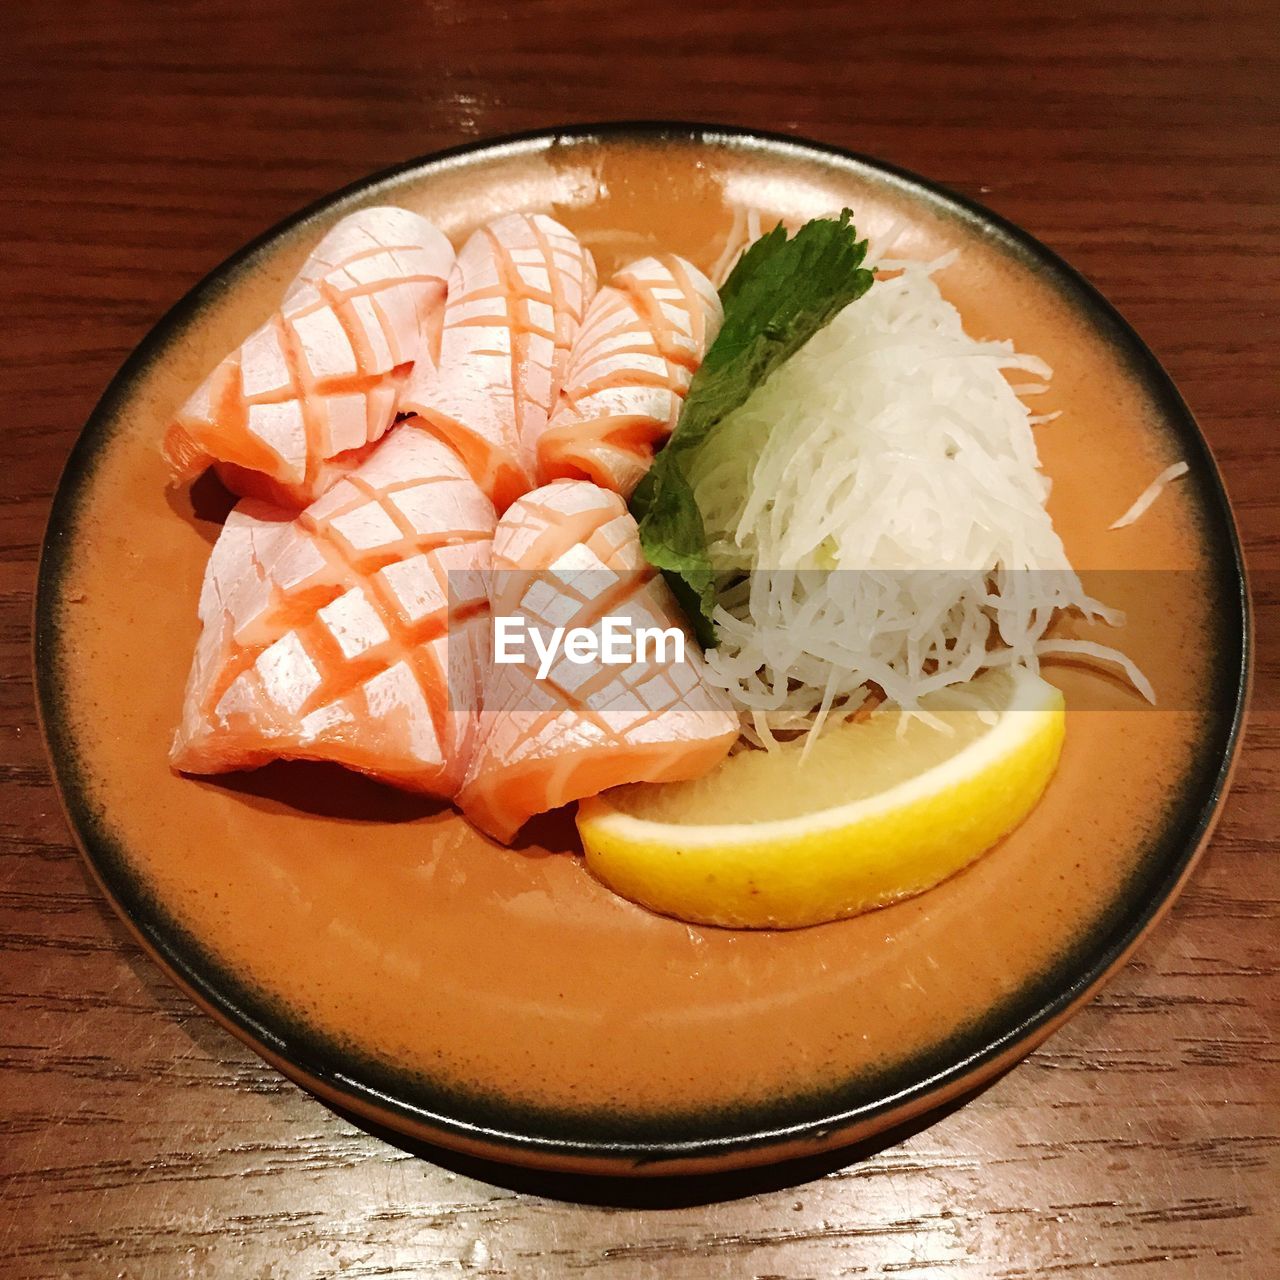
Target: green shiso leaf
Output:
[(780, 293)]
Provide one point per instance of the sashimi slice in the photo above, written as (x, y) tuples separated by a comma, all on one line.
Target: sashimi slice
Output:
[(640, 344), (516, 299), (569, 555), (289, 410), (355, 632)]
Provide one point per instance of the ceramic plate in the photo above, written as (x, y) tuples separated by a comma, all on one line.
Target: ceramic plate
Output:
[(501, 1001)]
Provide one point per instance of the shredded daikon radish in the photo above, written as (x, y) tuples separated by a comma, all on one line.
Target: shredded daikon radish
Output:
[(876, 510), (1150, 494), (1101, 653)]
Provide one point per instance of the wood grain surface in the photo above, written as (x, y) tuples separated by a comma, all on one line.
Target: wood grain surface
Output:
[(140, 143)]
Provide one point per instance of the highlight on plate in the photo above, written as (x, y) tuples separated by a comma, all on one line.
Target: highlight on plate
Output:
[(758, 577)]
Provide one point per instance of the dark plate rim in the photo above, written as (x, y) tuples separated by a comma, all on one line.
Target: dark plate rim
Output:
[(545, 1133)]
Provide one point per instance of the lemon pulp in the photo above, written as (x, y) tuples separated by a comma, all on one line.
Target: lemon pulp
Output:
[(877, 811)]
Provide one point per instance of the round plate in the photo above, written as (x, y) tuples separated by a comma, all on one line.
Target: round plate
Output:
[(502, 1002)]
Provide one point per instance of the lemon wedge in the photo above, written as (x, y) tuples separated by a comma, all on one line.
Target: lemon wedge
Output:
[(878, 811)]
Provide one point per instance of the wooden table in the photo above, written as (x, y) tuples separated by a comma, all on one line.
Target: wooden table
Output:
[(141, 143)]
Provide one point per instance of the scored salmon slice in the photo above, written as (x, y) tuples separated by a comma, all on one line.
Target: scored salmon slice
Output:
[(289, 410), (639, 346), (355, 632), (516, 299), (569, 555)]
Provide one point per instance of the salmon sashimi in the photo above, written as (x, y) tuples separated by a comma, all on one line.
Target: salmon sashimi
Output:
[(516, 300), (289, 410), (355, 632), (568, 555), (640, 344)]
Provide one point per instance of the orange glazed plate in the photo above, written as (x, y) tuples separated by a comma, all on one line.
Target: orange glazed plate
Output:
[(502, 1002)]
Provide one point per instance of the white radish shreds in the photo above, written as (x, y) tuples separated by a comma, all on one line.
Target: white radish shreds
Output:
[(1150, 494), (893, 449)]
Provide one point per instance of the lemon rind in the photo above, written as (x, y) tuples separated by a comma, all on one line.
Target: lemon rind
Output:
[(1015, 730)]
